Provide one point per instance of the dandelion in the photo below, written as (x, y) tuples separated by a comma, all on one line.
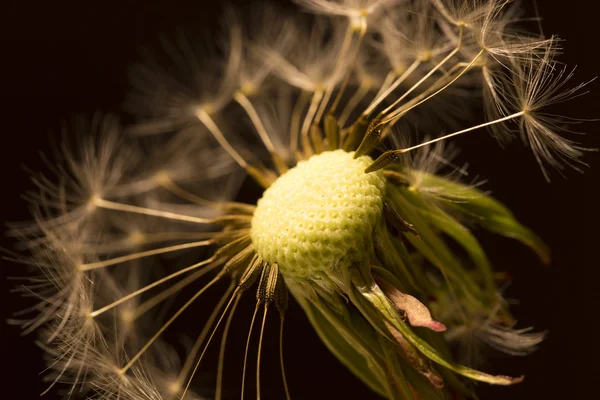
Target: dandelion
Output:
[(355, 219)]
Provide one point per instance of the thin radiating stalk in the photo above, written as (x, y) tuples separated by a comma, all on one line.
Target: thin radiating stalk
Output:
[(203, 334), (295, 120), (361, 34), (152, 285), (423, 79), (247, 347), (389, 78), (361, 92), (381, 96), (218, 135), (219, 389), (246, 104), (285, 384), (167, 324), (260, 339), (142, 254), (235, 296), (497, 121), (403, 110), (136, 239), (165, 294), (262, 331), (111, 205), (314, 103), (167, 183), (348, 37), (438, 83)]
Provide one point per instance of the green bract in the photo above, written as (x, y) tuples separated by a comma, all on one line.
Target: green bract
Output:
[(363, 310)]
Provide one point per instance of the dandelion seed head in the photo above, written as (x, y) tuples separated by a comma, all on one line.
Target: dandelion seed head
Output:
[(319, 214), (367, 228)]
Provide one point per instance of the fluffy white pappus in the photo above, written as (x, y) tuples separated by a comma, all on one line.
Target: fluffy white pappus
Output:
[(434, 161), (515, 342), (352, 9), (490, 32), (72, 358), (189, 157), (68, 291), (140, 386), (87, 364), (191, 169), (410, 32), (533, 85), (492, 77), (477, 336), (477, 340), (90, 353), (169, 86), (260, 26), (92, 167), (168, 374), (499, 34), (154, 378), (66, 296), (310, 64), (465, 13), (62, 292)]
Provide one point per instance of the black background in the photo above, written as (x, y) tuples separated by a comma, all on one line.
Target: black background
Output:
[(66, 57)]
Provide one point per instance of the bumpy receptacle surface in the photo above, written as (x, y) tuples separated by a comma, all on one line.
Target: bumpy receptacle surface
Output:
[(319, 213)]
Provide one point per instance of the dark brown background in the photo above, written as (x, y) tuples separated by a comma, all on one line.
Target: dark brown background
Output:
[(67, 57)]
